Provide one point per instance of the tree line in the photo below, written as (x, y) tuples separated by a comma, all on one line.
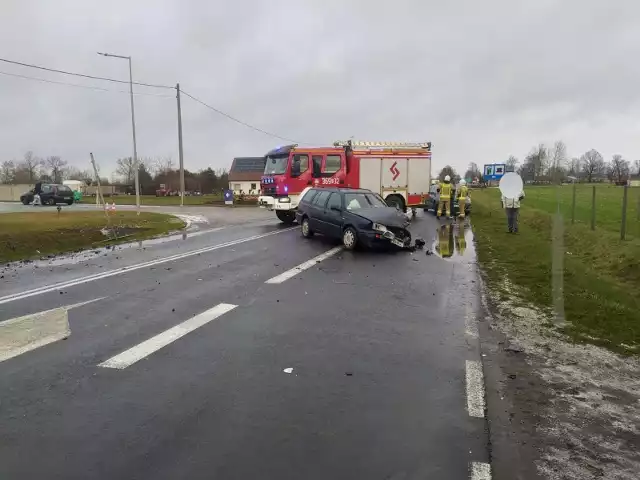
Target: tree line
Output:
[(152, 173), (552, 164)]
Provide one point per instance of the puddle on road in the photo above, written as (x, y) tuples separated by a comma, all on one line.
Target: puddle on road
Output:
[(454, 241)]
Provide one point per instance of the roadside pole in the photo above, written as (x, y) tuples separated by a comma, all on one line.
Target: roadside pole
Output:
[(623, 224), (593, 208), (180, 151), (573, 205), (99, 192)]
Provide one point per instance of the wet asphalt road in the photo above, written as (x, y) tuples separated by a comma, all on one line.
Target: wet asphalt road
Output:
[(377, 343)]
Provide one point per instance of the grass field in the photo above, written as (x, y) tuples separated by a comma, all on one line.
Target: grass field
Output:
[(153, 200), (601, 272), (34, 234)]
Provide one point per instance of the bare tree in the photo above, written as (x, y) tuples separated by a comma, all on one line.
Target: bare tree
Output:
[(618, 169), (31, 165), (557, 159), (573, 166), (125, 167), (449, 170), (163, 165), (636, 166), (536, 162), (74, 173), (512, 163), (56, 166), (473, 171), (7, 171), (592, 164)]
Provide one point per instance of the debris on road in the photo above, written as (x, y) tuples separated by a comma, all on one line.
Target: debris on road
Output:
[(288, 370), (420, 243)]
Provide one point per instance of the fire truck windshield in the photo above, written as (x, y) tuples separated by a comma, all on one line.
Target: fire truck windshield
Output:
[(276, 165)]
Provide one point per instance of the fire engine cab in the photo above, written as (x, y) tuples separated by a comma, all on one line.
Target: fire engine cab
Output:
[(399, 172)]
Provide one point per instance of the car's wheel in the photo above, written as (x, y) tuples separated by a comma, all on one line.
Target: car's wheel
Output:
[(51, 201), (286, 216), (25, 201), (349, 238), (306, 228), (395, 201), (70, 202)]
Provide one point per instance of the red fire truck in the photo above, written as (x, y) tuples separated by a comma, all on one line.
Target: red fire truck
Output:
[(399, 172)]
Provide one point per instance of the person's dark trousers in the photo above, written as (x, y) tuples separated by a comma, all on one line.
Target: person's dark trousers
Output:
[(512, 219)]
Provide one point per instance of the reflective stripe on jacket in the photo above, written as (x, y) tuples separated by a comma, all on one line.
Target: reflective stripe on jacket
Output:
[(445, 190)]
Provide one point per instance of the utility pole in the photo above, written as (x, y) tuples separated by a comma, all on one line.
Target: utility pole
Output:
[(180, 151), (133, 126)]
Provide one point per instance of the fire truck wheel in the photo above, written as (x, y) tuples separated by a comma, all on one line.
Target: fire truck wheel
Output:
[(396, 201), (286, 217), (349, 238), (306, 228)]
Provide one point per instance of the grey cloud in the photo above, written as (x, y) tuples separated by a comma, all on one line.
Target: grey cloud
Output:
[(481, 80)]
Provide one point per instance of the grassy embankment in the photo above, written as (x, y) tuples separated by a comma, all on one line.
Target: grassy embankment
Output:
[(34, 234), (203, 200), (601, 272)]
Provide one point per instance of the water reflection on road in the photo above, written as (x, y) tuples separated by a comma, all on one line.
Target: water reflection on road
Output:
[(455, 241)]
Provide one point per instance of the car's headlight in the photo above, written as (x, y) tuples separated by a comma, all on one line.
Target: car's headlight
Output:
[(379, 227), (284, 200)]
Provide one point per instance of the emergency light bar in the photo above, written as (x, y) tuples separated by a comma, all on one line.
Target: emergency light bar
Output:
[(352, 143)]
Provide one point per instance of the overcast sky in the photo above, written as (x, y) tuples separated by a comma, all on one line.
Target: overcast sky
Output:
[(480, 79)]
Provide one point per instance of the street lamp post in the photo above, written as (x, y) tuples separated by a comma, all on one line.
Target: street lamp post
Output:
[(133, 128)]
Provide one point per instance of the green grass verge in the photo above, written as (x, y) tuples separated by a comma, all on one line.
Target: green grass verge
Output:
[(601, 272), (34, 234), (164, 201)]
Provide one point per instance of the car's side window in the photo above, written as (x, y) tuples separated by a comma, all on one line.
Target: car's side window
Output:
[(320, 199), (335, 200), (309, 196), (46, 188), (332, 164)]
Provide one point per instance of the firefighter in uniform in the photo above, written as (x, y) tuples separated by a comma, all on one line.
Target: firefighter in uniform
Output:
[(445, 241), (462, 193), (446, 191)]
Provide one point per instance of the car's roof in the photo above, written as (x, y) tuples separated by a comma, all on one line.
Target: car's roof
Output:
[(342, 189)]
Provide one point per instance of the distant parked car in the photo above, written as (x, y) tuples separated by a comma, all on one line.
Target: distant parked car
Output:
[(356, 216), (51, 194)]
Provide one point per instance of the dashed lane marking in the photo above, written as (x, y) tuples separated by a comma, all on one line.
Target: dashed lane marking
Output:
[(146, 348), (470, 323), (131, 268), (284, 276), (480, 471), (475, 389)]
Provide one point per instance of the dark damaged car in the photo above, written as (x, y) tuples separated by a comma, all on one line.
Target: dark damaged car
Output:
[(355, 216)]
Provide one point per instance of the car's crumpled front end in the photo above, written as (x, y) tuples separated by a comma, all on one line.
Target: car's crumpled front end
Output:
[(398, 236)]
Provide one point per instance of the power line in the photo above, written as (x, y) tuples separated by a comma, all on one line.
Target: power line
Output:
[(236, 120), (81, 74), (89, 87)]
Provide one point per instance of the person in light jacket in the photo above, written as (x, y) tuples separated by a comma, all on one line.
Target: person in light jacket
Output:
[(512, 207)]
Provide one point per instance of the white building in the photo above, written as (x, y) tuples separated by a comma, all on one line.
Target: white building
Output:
[(244, 175)]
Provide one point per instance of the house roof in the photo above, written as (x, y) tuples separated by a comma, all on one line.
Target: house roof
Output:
[(247, 169)]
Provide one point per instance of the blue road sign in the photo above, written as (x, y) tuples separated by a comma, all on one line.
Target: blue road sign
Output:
[(494, 171), (228, 197)]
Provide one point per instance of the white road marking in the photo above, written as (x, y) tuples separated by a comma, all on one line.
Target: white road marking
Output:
[(22, 334), (480, 471), (284, 276), (475, 389), (123, 270), (146, 348)]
